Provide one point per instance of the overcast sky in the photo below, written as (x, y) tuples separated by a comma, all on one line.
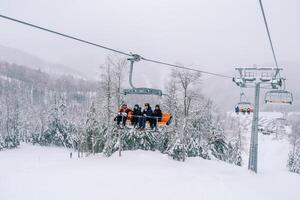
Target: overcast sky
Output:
[(215, 35)]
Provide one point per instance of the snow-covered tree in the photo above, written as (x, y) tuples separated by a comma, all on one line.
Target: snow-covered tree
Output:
[(200, 131), (109, 93), (95, 131), (59, 131), (294, 155)]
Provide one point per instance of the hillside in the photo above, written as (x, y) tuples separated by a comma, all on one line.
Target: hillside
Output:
[(33, 172), (15, 56), (36, 172)]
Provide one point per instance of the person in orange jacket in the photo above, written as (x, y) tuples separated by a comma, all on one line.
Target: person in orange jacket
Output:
[(123, 114)]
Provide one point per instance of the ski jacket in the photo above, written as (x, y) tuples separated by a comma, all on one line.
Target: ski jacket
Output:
[(137, 112), (157, 114), (127, 111), (148, 112)]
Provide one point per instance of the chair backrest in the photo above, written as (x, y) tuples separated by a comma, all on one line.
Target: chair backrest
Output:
[(279, 97), (165, 118)]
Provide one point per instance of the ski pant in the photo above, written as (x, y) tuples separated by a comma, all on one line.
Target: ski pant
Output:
[(120, 118), (136, 121), (154, 122), (144, 120)]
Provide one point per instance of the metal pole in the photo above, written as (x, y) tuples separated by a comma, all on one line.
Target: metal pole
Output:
[(183, 138), (252, 165), (120, 139), (276, 136), (120, 144), (130, 73)]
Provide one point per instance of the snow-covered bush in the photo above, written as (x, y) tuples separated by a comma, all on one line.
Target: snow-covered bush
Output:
[(294, 160), (177, 151), (9, 142), (130, 140), (112, 141), (144, 140), (218, 147), (234, 153), (166, 139)]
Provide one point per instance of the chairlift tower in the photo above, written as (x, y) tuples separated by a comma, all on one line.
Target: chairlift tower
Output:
[(256, 78)]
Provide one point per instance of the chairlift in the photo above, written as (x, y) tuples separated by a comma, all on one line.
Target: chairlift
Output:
[(139, 93), (279, 97), (243, 106)]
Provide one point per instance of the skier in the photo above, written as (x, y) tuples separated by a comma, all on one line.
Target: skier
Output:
[(136, 115), (237, 109), (157, 114), (147, 114), (248, 110), (123, 114)]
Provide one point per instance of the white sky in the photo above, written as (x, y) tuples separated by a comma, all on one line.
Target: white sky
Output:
[(214, 34)]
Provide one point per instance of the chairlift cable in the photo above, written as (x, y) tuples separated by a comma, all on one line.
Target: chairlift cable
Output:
[(64, 35), (186, 68), (268, 32), (108, 48)]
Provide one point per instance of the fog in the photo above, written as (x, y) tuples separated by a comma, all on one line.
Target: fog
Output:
[(213, 35)]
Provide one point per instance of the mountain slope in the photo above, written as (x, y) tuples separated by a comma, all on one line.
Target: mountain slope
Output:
[(15, 56), (34, 172)]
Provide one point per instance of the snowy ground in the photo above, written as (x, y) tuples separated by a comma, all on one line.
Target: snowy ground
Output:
[(33, 172)]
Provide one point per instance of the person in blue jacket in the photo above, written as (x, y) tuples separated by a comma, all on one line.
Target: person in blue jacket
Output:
[(147, 116)]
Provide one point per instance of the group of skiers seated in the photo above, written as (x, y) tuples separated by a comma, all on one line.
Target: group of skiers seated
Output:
[(139, 117), (243, 110)]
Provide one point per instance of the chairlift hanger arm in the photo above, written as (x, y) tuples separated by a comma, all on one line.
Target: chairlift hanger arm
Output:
[(140, 90), (134, 58)]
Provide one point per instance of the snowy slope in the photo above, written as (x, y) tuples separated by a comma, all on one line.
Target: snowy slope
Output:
[(15, 56), (33, 172)]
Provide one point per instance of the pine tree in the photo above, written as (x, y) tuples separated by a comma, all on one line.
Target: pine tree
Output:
[(166, 139), (177, 151), (294, 160), (294, 155), (112, 141), (59, 131), (95, 132)]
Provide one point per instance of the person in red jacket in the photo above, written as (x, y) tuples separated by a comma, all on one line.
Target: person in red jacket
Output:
[(123, 114)]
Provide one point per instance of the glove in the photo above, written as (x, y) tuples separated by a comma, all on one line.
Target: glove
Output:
[(124, 114)]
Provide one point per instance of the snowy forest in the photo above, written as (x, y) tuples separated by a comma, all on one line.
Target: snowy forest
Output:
[(48, 109), (57, 110)]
